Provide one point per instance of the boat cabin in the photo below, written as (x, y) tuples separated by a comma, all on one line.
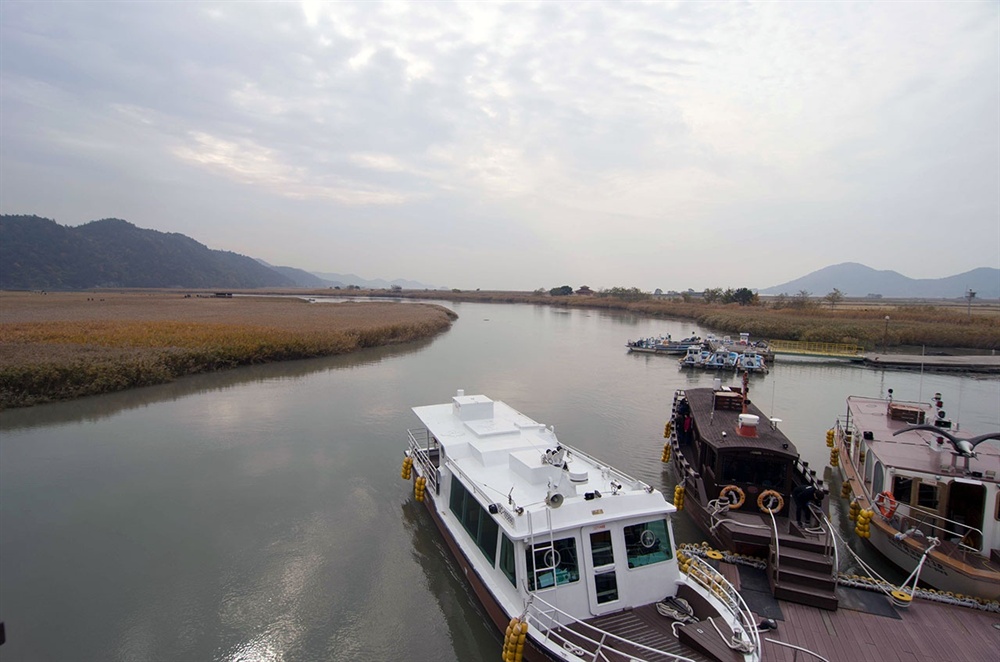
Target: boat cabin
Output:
[(730, 442), (534, 516), (940, 485)]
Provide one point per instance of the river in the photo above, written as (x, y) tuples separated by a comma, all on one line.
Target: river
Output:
[(258, 514)]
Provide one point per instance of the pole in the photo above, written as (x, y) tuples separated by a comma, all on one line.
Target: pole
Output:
[(885, 335)]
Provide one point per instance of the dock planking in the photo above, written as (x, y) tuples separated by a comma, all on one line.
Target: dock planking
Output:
[(924, 632)]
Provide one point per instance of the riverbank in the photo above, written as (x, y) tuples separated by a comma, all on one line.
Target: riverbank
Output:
[(859, 322), (57, 346)]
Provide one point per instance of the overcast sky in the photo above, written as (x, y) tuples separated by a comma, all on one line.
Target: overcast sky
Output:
[(518, 145)]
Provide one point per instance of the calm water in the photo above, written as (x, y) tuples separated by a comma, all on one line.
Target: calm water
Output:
[(259, 514)]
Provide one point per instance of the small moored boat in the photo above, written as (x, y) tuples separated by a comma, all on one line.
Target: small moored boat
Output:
[(571, 558), (695, 357), (751, 362), (925, 497)]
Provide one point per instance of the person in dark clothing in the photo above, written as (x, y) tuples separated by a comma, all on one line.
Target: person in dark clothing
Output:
[(803, 495)]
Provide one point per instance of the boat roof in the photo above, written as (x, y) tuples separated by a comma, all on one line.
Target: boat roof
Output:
[(917, 451), (718, 427), (499, 452)]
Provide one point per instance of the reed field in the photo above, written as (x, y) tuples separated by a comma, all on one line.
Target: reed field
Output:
[(55, 346), (859, 322)]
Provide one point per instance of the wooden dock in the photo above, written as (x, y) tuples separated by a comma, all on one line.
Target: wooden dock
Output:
[(867, 627), (933, 363)]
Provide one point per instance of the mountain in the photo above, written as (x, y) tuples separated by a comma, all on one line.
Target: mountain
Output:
[(38, 253), (857, 280), (302, 278), (375, 284)]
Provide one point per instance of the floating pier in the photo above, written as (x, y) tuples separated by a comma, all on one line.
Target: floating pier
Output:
[(979, 364)]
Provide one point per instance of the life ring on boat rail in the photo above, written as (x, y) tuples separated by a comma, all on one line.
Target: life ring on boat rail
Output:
[(776, 501), (886, 503), (729, 490)]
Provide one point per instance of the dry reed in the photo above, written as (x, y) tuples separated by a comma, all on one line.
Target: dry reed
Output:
[(59, 346)]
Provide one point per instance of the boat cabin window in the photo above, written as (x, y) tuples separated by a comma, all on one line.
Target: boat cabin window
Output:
[(603, 556), (507, 559), (552, 564), (877, 477), (927, 496), (647, 543), (475, 520), (767, 472), (902, 489)]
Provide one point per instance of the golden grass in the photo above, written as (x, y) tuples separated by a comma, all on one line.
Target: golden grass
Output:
[(63, 345)]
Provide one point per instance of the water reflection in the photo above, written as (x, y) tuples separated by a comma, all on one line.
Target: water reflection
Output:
[(472, 635), (259, 513)]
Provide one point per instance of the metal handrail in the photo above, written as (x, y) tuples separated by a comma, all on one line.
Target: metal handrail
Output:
[(550, 620), (797, 650), (421, 454), (743, 619), (830, 544), (820, 348), (920, 523), (777, 546)]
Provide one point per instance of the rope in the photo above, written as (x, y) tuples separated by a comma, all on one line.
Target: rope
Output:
[(678, 609), (735, 643)]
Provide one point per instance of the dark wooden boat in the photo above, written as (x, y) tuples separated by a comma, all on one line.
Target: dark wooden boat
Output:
[(736, 476)]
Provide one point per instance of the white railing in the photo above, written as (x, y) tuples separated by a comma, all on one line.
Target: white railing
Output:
[(421, 444), (589, 642), (742, 620), (586, 641)]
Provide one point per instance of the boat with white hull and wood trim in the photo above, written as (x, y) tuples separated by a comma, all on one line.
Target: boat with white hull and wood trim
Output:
[(930, 499), (571, 558)]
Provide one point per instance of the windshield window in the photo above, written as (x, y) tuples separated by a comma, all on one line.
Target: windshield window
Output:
[(647, 543), (549, 565)]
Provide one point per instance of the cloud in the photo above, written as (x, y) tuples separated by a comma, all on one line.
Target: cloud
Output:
[(594, 134)]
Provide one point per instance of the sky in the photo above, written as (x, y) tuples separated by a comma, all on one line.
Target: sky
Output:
[(522, 145)]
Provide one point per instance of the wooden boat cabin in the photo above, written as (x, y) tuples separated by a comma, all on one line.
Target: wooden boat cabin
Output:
[(931, 490), (739, 475)]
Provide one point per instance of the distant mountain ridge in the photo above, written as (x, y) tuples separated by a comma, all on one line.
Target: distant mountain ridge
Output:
[(373, 284), (38, 253), (857, 280)]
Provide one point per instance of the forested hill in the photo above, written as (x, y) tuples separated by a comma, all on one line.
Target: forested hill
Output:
[(38, 253)]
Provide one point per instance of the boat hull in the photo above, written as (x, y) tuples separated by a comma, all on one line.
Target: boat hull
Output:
[(493, 609), (935, 572)]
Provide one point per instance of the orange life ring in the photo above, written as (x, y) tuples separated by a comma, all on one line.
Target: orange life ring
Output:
[(770, 494), (886, 503), (740, 496)]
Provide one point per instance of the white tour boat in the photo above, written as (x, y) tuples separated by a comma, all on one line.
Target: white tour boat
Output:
[(571, 558), (924, 497)]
